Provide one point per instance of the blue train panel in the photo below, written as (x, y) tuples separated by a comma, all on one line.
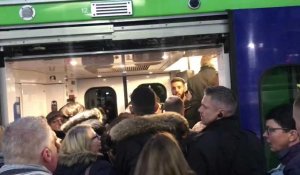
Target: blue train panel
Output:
[(262, 39)]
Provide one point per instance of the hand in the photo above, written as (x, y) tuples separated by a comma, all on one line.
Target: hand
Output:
[(198, 127)]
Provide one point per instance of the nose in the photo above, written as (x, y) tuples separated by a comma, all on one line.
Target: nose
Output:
[(265, 135), (199, 109)]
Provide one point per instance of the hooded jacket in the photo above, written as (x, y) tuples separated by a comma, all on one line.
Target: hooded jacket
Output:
[(92, 117), (130, 135)]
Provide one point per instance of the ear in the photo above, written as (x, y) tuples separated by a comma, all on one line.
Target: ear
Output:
[(220, 113), (131, 109), (47, 155), (293, 135)]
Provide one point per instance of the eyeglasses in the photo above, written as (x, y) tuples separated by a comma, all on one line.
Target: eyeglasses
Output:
[(96, 136), (271, 130)]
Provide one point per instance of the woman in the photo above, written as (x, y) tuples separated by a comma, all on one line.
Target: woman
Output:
[(79, 154), (162, 156), (282, 137)]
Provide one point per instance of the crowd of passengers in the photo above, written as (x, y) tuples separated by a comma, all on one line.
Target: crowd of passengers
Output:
[(148, 140)]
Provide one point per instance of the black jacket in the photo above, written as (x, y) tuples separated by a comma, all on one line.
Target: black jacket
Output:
[(130, 136), (206, 77), (77, 165), (218, 151), (290, 158)]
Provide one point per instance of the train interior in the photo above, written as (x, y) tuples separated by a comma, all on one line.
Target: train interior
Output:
[(41, 75)]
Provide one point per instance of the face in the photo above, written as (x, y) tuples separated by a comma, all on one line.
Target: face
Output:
[(208, 110), (277, 138), (178, 89), (56, 123), (95, 141), (296, 116)]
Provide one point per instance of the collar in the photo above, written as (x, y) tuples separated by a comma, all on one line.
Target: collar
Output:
[(287, 154), (226, 124)]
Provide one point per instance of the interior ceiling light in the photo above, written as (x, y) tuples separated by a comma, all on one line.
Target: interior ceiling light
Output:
[(165, 56), (73, 62)]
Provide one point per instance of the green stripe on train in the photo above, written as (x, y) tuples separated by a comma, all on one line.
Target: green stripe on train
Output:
[(79, 11)]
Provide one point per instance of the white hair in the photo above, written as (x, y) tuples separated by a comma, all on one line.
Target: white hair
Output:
[(24, 140)]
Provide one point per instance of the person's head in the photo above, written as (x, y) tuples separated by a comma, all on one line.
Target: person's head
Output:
[(280, 130), (92, 117), (296, 112), (162, 156), (143, 101), (71, 109), (178, 87), (81, 138), (174, 104), (30, 140), (55, 119), (218, 102)]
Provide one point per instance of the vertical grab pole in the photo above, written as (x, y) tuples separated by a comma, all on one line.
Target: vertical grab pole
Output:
[(124, 78), (3, 91)]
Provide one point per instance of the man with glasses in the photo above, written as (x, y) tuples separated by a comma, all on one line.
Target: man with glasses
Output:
[(55, 120), (282, 137), (29, 147)]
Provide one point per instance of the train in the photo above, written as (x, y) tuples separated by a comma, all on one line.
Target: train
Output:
[(97, 52)]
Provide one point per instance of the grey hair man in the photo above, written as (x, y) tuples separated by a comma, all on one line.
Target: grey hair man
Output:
[(222, 147), (29, 147)]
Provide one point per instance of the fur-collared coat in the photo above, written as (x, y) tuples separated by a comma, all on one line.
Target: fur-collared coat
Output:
[(76, 164), (130, 136), (91, 117)]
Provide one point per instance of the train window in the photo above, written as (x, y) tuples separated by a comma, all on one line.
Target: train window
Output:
[(159, 89), (278, 86), (102, 97)]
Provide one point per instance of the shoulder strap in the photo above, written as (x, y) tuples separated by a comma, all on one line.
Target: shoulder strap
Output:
[(87, 170)]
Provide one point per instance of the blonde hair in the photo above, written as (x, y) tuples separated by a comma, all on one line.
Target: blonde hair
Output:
[(162, 156), (71, 109), (77, 142), (25, 139)]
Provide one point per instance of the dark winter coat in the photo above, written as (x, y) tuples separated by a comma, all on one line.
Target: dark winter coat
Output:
[(92, 117), (76, 164), (215, 151), (290, 158), (130, 136), (206, 77)]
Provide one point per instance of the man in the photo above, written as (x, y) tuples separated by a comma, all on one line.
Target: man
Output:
[(178, 89), (222, 148), (206, 77), (55, 120), (29, 147), (282, 137), (143, 101), (130, 135), (174, 104)]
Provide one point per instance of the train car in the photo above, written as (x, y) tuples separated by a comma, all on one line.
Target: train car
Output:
[(97, 52)]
